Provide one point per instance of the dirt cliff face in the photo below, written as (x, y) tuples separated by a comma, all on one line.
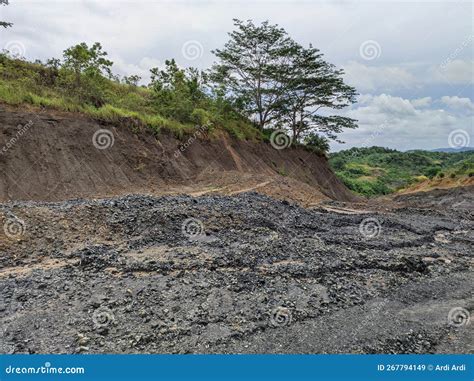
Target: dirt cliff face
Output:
[(50, 156)]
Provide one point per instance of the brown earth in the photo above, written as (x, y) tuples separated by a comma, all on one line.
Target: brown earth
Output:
[(439, 183), (50, 156)]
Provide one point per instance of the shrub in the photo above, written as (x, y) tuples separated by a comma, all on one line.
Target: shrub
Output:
[(201, 117), (432, 172), (317, 143)]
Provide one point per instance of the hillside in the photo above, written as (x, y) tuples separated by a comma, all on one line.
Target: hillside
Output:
[(71, 128), (50, 86), (377, 171)]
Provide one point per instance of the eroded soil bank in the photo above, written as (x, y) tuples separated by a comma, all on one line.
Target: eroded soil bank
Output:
[(56, 156)]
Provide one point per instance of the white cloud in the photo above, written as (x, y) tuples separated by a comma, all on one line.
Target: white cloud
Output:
[(142, 68), (458, 103), (421, 102), (390, 78), (399, 123), (386, 105), (454, 72), (370, 78)]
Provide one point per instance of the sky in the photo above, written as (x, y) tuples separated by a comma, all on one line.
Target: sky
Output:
[(411, 62)]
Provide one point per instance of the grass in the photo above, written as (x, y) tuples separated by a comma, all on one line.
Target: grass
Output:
[(23, 82)]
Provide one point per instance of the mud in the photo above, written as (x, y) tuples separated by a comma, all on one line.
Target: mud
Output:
[(240, 274)]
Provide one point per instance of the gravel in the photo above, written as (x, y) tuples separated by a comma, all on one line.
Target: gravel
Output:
[(244, 274)]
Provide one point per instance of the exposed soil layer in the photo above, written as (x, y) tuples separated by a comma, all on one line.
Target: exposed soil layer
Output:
[(234, 274), (51, 156)]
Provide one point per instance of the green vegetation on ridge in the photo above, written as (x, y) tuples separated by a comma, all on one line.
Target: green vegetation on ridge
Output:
[(262, 81), (83, 87), (376, 171)]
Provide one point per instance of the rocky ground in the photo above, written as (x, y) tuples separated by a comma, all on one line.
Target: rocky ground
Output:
[(240, 274)]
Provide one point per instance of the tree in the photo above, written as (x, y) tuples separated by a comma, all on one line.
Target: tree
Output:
[(177, 91), (132, 80), (317, 142), (251, 65), (282, 84), (84, 60), (311, 85), (4, 23)]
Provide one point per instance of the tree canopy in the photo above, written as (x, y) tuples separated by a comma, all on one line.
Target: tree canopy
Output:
[(82, 59), (280, 83), (4, 23)]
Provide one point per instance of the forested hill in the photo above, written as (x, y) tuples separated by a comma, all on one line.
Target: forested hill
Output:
[(376, 170)]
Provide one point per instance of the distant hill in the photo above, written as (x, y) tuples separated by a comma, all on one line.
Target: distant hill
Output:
[(454, 150), (376, 170)]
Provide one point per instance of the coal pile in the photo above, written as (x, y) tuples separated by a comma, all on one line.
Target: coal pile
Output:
[(244, 274)]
